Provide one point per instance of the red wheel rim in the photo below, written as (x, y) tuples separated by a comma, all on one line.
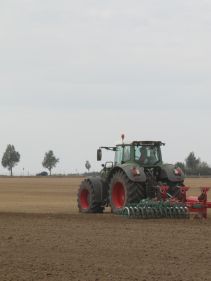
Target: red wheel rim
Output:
[(118, 195), (84, 199)]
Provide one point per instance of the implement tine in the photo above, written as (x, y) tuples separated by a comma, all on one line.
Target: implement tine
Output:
[(132, 212), (126, 212)]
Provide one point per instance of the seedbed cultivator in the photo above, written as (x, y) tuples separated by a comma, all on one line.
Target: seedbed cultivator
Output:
[(137, 184), (169, 206)]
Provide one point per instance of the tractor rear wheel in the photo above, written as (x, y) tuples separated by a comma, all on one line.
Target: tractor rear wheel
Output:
[(123, 191), (86, 198)]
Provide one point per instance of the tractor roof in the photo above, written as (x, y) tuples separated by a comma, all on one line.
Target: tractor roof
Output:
[(135, 143), (147, 143)]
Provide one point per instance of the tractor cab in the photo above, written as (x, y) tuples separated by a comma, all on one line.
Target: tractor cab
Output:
[(143, 153)]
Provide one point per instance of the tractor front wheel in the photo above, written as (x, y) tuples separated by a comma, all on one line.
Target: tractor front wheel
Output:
[(86, 199)]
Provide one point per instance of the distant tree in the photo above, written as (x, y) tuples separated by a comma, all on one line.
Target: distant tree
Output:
[(194, 166), (181, 165), (88, 165), (192, 163), (204, 169), (50, 161), (10, 158)]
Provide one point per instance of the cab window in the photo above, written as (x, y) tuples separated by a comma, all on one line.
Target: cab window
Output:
[(126, 156), (147, 154), (118, 155)]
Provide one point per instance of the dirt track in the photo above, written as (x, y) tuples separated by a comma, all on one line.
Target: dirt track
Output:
[(43, 237)]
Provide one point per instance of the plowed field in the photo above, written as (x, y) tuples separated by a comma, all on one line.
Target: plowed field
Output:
[(43, 237)]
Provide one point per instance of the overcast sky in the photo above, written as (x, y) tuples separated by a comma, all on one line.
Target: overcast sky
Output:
[(74, 75)]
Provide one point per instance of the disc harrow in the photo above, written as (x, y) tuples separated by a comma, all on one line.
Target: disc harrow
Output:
[(168, 206), (149, 209)]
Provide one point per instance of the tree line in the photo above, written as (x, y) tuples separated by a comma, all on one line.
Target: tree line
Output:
[(193, 166), (11, 158)]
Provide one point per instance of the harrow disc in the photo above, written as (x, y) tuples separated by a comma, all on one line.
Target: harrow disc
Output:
[(151, 209)]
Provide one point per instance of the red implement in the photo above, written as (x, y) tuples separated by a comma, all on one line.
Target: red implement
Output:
[(199, 204), (163, 191), (194, 204)]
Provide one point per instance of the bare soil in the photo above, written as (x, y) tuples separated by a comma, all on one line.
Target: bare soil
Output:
[(43, 237)]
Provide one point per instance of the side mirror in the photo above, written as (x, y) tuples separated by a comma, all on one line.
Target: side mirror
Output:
[(99, 154)]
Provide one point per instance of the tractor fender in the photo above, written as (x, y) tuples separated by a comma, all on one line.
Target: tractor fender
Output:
[(172, 173), (133, 172), (100, 188)]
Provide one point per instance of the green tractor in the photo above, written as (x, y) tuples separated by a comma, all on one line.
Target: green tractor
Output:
[(136, 173)]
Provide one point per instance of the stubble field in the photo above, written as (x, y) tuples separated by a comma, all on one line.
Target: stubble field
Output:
[(43, 237)]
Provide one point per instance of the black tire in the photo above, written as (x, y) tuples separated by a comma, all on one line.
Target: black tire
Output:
[(140, 191), (86, 199), (123, 191)]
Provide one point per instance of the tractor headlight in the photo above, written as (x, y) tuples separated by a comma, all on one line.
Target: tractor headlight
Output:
[(135, 171), (178, 171)]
